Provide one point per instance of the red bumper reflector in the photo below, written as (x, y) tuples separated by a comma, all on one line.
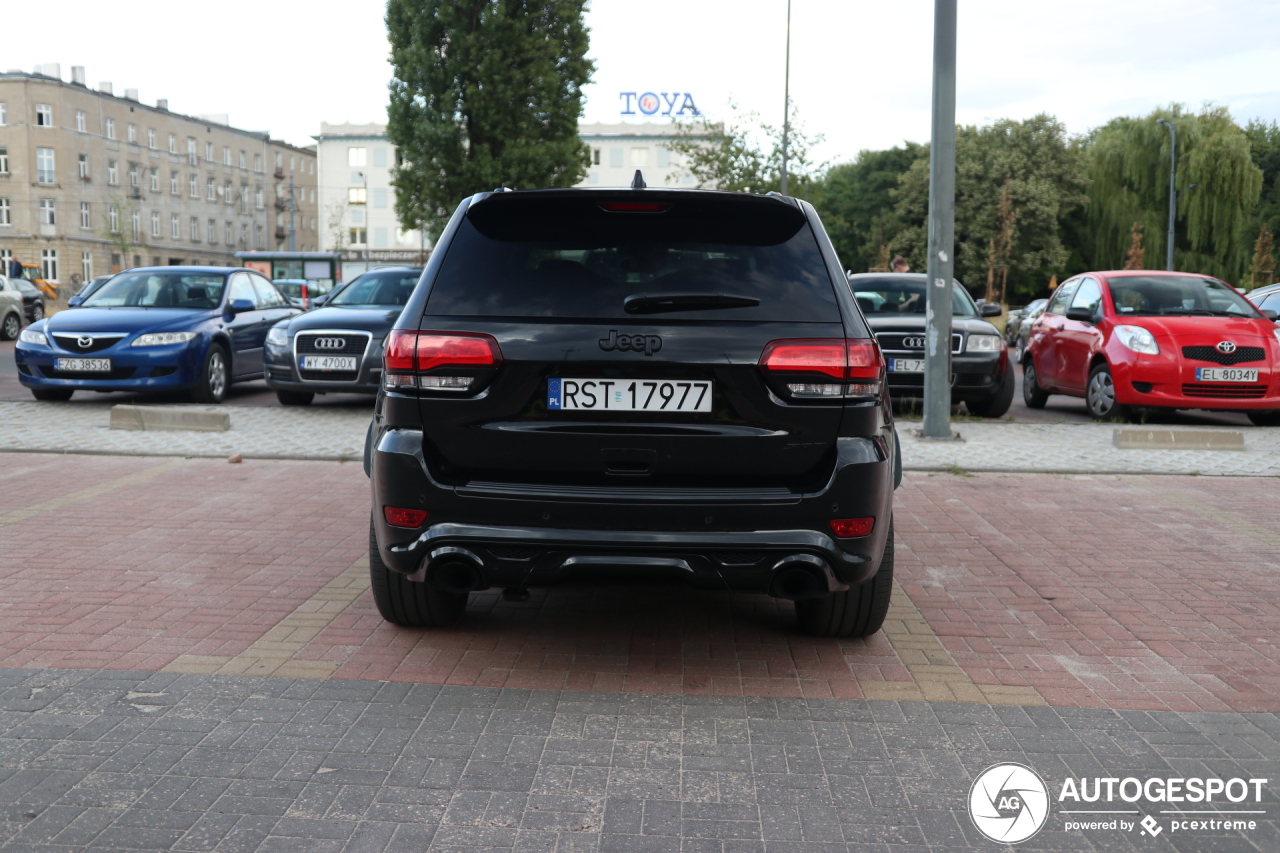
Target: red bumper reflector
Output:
[(847, 528), (400, 517)]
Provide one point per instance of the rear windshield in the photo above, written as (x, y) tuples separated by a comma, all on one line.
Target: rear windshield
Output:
[(379, 288), (1139, 295), (901, 295), (587, 262), (159, 290)]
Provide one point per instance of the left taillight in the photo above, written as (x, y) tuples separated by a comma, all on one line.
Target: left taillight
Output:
[(427, 360), (837, 367)]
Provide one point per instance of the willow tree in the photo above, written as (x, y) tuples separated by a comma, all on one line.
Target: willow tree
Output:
[(484, 93), (1217, 185)]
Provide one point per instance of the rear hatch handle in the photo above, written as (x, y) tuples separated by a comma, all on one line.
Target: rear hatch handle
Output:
[(657, 303)]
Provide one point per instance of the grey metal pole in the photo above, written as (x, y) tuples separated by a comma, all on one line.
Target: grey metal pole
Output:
[(1173, 193), (942, 214), (293, 232), (786, 97)]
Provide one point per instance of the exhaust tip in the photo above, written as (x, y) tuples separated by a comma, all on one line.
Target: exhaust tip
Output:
[(455, 570), (796, 580)]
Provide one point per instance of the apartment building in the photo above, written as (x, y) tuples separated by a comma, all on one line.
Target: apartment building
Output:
[(92, 182), (617, 150)]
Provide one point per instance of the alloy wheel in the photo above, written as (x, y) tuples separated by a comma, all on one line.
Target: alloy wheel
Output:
[(11, 327), (217, 375), (1101, 393), (37, 313)]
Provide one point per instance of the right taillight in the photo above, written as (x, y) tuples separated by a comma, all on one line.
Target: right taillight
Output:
[(855, 364), (409, 354)]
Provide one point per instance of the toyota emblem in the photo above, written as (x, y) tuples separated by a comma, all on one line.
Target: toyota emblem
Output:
[(86, 341), (330, 343), (1225, 347)]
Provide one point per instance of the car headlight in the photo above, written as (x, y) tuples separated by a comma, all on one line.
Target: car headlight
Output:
[(1137, 339), (162, 339), (278, 336), (984, 343), (30, 336)]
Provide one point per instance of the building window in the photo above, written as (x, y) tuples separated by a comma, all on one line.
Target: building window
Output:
[(230, 233), (132, 132), (4, 161), (49, 264), (135, 228), (244, 198), (244, 235), (357, 216), (279, 160), (241, 159), (195, 230), (357, 236), (595, 156), (86, 266), (111, 128), (193, 186), (213, 232), (293, 162), (173, 144), (44, 115), (175, 230), (226, 155), (357, 195), (86, 220), (155, 223), (639, 157), (313, 196), (113, 173), (113, 219), (664, 157), (380, 197), (208, 151), (133, 174), (155, 179), (173, 183), (82, 166), (259, 241), (79, 120), (257, 198), (226, 192), (6, 215), (380, 238), (191, 151), (151, 137), (44, 165), (210, 193), (357, 156), (48, 213), (615, 158), (257, 162), (4, 114)]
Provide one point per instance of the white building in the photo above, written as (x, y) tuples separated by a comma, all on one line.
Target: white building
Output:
[(617, 150), (357, 201)]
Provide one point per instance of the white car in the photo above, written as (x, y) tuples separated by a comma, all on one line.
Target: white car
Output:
[(10, 310)]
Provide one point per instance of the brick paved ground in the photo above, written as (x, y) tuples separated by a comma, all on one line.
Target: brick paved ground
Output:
[(128, 761), (1125, 592)]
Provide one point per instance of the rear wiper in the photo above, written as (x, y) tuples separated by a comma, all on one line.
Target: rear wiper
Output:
[(657, 303)]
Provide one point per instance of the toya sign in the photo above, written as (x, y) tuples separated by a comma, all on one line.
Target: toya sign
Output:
[(658, 103)]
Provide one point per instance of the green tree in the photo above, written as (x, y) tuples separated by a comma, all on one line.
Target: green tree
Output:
[(484, 93), (1264, 146), (856, 203), (729, 155), (1130, 173), (1044, 174)]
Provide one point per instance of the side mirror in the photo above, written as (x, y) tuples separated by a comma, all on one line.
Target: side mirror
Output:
[(239, 306), (990, 309), (1271, 315), (74, 302), (1081, 315)]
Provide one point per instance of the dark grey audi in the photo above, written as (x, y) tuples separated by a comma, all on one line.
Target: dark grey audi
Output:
[(337, 349), (631, 385)]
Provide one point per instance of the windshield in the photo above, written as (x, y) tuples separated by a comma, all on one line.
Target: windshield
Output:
[(159, 290), (903, 295), (379, 288), (26, 286), (1146, 295)]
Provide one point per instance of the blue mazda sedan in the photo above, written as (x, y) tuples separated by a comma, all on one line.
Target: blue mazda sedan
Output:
[(157, 330)]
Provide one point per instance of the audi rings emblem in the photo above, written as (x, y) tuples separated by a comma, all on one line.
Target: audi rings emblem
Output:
[(1225, 347), (913, 343), (330, 343), (86, 341)]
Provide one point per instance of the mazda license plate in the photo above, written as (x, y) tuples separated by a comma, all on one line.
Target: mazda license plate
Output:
[(83, 365), (1226, 374), (640, 395), (906, 365), (329, 362)]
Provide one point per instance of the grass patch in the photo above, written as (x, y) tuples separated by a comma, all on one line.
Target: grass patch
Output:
[(956, 471)]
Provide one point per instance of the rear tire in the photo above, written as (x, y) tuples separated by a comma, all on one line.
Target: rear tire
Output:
[(997, 406), (294, 398), (52, 395), (408, 603), (37, 312), (1100, 396), (1265, 418), (1032, 394), (856, 612), (11, 327), (215, 376)]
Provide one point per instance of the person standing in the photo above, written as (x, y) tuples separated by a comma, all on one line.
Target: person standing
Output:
[(899, 264), (15, 267)]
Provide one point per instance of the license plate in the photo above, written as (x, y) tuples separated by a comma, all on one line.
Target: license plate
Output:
[(1226, 374), (83, 365), (329, 362), (906, 365), (639, 395)]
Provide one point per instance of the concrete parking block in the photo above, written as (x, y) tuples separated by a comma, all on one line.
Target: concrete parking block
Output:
[(194, 418), (1130, 438)]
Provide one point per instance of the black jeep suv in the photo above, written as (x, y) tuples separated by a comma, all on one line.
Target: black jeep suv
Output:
[(633, 384)]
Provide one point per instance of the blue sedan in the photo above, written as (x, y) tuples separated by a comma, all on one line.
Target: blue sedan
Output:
[(157, 330)]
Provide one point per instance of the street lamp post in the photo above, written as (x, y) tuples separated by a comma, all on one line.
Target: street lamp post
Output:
[(786, 106), (1173, 193)]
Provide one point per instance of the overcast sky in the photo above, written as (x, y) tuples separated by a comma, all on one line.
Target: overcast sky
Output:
[(860, 71)]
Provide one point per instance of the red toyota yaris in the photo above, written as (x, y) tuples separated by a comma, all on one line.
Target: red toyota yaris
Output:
[(1139, 339)]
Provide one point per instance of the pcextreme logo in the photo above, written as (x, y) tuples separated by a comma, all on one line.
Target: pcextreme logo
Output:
[(1009, 803)]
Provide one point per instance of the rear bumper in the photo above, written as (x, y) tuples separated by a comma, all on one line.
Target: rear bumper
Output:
[(718, 540)]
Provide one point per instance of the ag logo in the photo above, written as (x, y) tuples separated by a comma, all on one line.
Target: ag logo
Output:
[(1009, 803)]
